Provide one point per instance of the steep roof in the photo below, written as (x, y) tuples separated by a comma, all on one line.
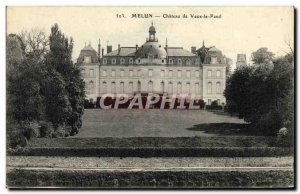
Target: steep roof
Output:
[(124, 51), (179, 51)]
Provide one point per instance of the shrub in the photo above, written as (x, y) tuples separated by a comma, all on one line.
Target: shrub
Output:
[(46, 129)]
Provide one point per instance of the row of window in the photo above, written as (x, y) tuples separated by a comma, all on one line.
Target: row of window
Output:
[(210, 88), (169, 89), (209, 73), (150, 60), (150, 73), (218, 90)]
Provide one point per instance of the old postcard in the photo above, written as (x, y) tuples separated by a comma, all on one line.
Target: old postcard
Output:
[(150, 97)]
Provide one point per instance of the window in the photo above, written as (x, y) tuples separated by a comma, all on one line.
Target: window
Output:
[(113, 61), (170, 88), (122, 73), (104, 73), (104, 87), (209, 73), (179, 73), (170, 61), (162, 73), (130, 73), (122, 87), (91, 72), (218, 73), (188, 87), (179, 61), (197, 89), (83, 72), (209, 102), (170, 73), (104, 61), (130, 61), (113, 73), (209, 88), (139, 86), (197, 61), (162, 86), (188, 73), (150, 72), (213, 60), (139, 73), (151, 59), (122, 61), (163, 61), (150, 86), (188, 62), (179, 88), (91, 85), (130, 87), (113, 87), (87, 59), (218, 87), (219, 101), (197, 74)]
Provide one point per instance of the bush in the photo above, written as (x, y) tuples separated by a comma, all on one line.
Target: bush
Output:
[(46, 129), (16, 138), (88, 104)]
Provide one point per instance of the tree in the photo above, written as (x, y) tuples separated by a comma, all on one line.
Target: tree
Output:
[(35, 43), (262, 95), (262, 56), (60, 58)]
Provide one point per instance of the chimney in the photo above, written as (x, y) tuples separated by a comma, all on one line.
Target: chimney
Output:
[(119, 49), (109, 48), (102, 52), (193, 49), (136, 47)]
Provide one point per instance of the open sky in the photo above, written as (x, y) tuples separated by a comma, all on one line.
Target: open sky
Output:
[(238, 30)]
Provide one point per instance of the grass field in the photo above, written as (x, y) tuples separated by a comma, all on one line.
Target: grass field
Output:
[(152, 123)]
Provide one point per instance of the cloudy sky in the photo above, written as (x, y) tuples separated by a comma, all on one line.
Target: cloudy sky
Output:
[(235, 30)]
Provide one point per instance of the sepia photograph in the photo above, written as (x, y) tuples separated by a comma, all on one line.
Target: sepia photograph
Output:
[(133, 97)]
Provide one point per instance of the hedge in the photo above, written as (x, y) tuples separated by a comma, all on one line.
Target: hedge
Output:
[(155, 152), (64, 178)]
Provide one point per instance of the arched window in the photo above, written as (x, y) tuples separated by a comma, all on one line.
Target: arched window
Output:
[(197, 89), (91, 85), (113, 61), (170, 88), (122, 87), (122, 61), (179, 61), (150, 86), (104, 87), (188, 87), (218, 87), (138, 86), (130, 61), (130, 87), (162, 86), (188, 62), (179, 88), (113, 87), (209, 87), (218, 73)]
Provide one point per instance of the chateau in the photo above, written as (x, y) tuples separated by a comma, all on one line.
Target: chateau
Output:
[(154, 68)]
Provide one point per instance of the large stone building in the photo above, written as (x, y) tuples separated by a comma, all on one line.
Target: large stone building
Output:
[(153, 67)]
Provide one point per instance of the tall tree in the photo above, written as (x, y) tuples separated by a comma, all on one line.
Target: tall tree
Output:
[(60, 58)]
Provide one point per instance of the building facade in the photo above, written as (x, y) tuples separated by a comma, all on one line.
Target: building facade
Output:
[(241, 60), (154, 68)]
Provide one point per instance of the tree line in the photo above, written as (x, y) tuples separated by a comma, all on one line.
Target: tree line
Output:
[(263, 93), (45, 91)]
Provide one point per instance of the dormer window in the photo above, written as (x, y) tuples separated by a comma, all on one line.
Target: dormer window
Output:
[(87, 59), (170, 61), (104, 61), (113, 61), (213, 60), (130, 61), (179, 61), (122, 61)]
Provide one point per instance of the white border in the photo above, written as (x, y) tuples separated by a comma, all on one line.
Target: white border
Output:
[(5, 3)]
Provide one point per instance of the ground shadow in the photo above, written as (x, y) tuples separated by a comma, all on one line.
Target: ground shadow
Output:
[(222, 128)]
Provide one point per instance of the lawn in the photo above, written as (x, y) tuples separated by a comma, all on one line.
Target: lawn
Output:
[(154, 123)]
